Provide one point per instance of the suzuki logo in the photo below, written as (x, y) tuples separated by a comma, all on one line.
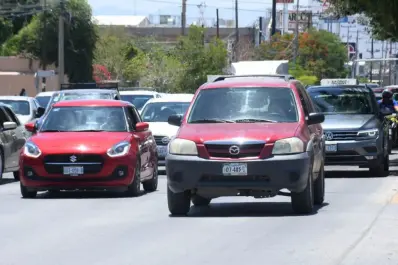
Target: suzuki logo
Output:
[(73, 159), (329, 136), (234, 150)]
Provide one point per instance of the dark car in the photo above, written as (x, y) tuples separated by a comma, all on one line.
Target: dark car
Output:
[(247, 137)]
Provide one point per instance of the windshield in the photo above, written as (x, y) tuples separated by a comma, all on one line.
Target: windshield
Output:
[(75, 119), (137, 100), (78, 96), (246, 104), (342, 100), (161, 111), (20, 107), (43, 101)]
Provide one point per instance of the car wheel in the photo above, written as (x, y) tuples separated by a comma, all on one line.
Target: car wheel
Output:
[(303, 202), (16, 175), (134, 189), (319, 187), (152, 184), (200, 201), (27, 193), (382, 167), (179, 203)]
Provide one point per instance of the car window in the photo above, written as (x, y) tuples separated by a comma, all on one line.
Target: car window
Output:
[(307, 99), (74, 119), (137, 100), (244, 104), (11, 115), (161, 111), (57, 97), (20, 107), (43, 100), (303, 102), (3, 117), (131, 117), (343, 100)]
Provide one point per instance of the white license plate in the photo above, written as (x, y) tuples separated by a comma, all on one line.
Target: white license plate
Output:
[(234, 169), (162, 151), (331, 148), (73, 171)]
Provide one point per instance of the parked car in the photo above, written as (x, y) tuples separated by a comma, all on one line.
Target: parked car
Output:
[(44, 98), (89, 145), (138, 97), (26, 109), (247, 137)]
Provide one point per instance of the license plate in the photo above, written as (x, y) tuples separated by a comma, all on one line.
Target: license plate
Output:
[(234, 169), (162, 151), (73, 171), (331, 148)]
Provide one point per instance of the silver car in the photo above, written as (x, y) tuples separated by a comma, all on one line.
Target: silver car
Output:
[(27, 109)]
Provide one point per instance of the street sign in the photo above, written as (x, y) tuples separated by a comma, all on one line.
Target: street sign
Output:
[(326, 82), (333, 20)]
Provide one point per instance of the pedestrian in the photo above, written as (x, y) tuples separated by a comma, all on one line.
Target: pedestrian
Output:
[(23, 92)]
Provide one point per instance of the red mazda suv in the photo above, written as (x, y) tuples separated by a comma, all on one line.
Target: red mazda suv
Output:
[(89, 145), (247, 136)]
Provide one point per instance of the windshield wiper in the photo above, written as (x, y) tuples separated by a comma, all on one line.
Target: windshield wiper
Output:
[(211, 121), (254, 120), (89, 131), (50, 131)]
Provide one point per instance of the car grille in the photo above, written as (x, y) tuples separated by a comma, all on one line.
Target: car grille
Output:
[(344, 136), (92, 164), (222, 150), (158, 140)]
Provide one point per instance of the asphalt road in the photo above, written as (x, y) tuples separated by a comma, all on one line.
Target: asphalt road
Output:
[(357, 225)]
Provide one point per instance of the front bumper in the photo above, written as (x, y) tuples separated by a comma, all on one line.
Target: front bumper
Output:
[(356, 153), (271, 174)]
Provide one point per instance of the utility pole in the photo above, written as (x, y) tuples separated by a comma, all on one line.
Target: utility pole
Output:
[(348, 42), (273, 22), (371, 63), (260, 32), (355, 64), (236, 31), (183, 17), (297, 33), (44, 47), (218, 24), (61, 44), (389, 65)]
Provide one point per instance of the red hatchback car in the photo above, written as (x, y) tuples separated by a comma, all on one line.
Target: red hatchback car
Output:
[(246, 136), (89, 145)]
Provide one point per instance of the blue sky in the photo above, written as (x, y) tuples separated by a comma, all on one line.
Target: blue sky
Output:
[(250, 10)]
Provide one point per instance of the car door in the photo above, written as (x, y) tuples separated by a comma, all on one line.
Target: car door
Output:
[(144, 142), (18, 134), (7, 139)]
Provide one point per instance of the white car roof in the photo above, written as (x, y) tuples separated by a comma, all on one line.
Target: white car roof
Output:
[(46, 94), (21, 98), (139, 92), (172, 98)]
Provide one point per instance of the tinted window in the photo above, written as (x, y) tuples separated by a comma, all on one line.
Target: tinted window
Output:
[(78, 96), (12, 116), (43, 100), (246, 104), (74, 119), (161, 111), (20, 107), (351, 100), (3, 117), (137, 100)]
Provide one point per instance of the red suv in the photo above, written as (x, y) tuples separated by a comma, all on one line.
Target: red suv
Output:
[(247, 136)]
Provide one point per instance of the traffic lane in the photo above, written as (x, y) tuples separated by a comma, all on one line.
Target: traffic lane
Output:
[(83, 228)]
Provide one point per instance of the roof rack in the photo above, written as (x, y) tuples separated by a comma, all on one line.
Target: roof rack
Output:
[(284, 77), (105, 85)]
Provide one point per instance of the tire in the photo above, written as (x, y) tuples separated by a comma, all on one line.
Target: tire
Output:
[(26, 194), (303, 202), (179, 203), (319, 187), (152, 184), (200, 201), (134, 189), (16, 175), (382, 168)]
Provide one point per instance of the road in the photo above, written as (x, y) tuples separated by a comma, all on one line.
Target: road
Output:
[(357, 225)]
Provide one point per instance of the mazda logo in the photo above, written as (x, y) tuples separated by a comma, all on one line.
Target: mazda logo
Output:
[(73, 159), (234, 150), (165, 140), (328, 136)]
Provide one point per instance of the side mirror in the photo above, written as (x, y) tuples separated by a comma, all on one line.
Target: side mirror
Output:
[(175, 120), (30, 126), (141, 126), (315, 118), (9, 125), (40, 112)]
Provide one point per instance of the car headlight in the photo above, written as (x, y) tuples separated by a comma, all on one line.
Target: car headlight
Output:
[(31, 150), (372, 133), (288, 146), (119, 149), (182, 147)]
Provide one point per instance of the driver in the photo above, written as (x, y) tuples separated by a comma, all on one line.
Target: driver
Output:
[(387, 103)]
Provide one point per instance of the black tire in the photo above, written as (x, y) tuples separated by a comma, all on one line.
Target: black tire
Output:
[(382, 168), (319, 187), (179, 203), (152, 184), (16, 175), (134, 189), (303, 202), (200, 201), (26, 193)]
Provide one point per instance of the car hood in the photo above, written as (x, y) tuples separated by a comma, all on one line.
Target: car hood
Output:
[(163, 129), (347, 122), (268, 132), (64, 142), (24, 118)]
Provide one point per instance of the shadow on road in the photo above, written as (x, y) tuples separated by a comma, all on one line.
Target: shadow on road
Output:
[(253, 209), (7, 181), (84, 195)]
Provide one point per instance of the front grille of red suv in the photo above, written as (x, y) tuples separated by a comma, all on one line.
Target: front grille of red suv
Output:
[(245, 150), (91, 163)]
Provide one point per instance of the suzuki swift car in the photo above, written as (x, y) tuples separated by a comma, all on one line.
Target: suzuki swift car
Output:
[(89, 145), (247, 137)]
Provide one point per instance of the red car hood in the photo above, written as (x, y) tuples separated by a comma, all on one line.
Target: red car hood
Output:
[(268, 132), (66, 142)]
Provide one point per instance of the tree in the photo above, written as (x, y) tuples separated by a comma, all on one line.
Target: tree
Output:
[(80, 38)]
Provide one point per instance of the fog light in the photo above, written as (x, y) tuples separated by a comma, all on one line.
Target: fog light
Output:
[(121, 173), (370, 157), (30, 173)]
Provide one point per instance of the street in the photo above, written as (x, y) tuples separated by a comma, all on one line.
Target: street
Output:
[(356, 225)]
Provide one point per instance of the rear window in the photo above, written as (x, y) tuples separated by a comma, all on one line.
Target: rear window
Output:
[(245, 104), (137, 100)]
